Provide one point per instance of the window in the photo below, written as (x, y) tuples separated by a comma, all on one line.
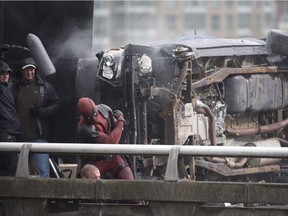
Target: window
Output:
[(258, 23), (244, 20), (100, 4), (171, 22), (119, 21), (229, 22), (244, 3), (229, 4), (141, 21), (269, 20), (101, 26), (118, 3), (215, 22), (169, 3), (215, 3), (195, 3), (142, 3), (195, 21)]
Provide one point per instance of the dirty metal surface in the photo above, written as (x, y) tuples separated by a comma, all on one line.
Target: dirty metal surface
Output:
[(224, 170), (220, 75)]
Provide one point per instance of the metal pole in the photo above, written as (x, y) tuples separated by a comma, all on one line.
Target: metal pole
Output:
[(130, 149)]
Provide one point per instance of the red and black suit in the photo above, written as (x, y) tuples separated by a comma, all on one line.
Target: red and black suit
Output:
[(98, 124)]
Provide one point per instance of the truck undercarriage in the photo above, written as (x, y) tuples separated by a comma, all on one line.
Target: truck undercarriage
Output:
[(218, 92)]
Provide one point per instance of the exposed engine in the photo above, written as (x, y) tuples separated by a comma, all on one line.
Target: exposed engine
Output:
[(200, 92)]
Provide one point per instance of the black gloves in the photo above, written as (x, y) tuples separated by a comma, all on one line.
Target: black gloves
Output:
[(35, 110), (119, 115)]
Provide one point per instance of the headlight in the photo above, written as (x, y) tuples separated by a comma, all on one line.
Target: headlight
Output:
[(110, 68), (107, 73), (145, 64), (109, 60)]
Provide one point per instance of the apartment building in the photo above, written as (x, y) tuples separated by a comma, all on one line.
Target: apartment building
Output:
[(130, 21)]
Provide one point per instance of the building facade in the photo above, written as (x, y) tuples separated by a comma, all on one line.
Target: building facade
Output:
[(120, 22)]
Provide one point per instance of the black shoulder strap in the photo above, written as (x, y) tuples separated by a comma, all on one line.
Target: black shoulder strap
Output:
[(107, 112), (104, 110)]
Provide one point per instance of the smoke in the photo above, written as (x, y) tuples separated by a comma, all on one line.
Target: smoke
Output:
[(72, 42)]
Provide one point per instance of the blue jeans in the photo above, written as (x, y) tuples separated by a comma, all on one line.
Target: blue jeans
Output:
[(42, 161)]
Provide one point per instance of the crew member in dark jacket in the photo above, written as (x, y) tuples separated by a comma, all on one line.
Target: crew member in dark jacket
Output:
[(37, 101), (9, 122)]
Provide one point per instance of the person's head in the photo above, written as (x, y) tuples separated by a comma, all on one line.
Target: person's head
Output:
[(5, 72), (87, 109), (90, 171), (28, 68)]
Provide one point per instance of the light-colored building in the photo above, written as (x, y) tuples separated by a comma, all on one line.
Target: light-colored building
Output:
[(282, 15), (130, 21)]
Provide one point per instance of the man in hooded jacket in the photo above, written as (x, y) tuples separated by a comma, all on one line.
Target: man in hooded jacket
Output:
[(36, 101), (9, 122)]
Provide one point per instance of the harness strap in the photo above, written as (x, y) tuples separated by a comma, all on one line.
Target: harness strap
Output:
[(121, 167)]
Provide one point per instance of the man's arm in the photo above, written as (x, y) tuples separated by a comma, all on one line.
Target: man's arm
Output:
[(89, 133), (53, 102)]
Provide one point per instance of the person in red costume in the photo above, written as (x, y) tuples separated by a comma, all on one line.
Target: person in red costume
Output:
[(99, 124)]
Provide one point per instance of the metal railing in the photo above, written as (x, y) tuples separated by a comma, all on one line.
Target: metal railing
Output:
[(172, 151), (130, 149)]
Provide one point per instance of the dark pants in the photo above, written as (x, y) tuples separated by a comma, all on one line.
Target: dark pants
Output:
[(8, 161)]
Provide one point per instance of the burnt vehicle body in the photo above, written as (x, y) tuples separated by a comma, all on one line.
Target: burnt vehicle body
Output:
[(226, 92)]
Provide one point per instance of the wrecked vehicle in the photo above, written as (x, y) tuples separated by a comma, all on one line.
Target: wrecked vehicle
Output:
[(224, 92), (189, 91)]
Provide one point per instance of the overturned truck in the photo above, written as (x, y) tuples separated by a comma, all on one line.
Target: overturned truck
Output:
[(207, 91), (189, 91)]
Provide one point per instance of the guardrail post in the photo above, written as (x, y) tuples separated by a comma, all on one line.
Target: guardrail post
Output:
[(171, 173), (23, 162)]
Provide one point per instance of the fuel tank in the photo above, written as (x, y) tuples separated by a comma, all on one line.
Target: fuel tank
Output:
[(255, 93)]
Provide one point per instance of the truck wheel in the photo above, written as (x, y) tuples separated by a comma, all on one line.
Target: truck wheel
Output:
[(277, 42)]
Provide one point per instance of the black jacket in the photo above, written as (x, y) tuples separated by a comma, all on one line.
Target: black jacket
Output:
[(48, 102), (9, 122)]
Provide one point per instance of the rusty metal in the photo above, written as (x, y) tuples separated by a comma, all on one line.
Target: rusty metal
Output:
[(182, 54), (224, 170), (168, 101), (257, 130), (222, 73), (203, 108), (144, 127)]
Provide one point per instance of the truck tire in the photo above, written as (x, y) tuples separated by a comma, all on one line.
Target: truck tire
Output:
[(277, 42)]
